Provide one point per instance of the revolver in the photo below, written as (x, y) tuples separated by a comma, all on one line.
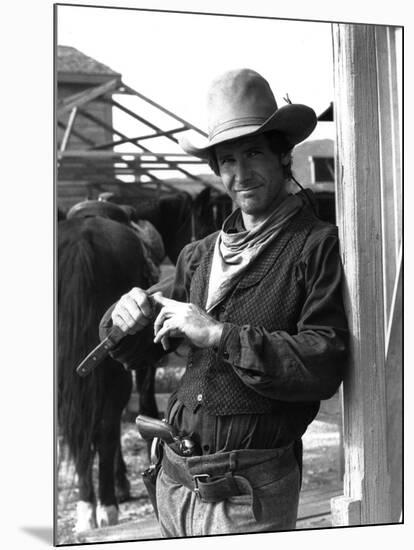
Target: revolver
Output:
[(153, 429)]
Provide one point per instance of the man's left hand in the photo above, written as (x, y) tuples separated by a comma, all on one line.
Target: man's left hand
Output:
[(177, 319)]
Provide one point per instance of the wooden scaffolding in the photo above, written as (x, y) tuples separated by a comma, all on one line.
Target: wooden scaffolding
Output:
[(93, 155)]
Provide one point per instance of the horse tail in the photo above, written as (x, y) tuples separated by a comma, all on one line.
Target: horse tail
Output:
[(79, 399), (98, 260)]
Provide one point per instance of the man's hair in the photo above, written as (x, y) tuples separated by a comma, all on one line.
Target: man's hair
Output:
[(277, 144)]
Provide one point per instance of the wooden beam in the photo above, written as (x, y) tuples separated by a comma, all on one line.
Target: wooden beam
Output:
[(166, 133), (111, 144), (77, 134), (166, 111), (106, 126), (77, 100), (366, 480), (140, 118), (83, 155), (68, 129), (150, 124), (69, 77), (92, 154)]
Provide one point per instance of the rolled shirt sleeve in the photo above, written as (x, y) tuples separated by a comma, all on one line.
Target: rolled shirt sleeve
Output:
[(138, 349), (308, 365)]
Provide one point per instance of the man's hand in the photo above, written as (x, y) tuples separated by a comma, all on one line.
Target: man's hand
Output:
[(133, 312), (182, 319)]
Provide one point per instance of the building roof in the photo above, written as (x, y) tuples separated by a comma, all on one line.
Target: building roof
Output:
[(71, 60)]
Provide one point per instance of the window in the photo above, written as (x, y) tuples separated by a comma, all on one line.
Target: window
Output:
[(322, 169)]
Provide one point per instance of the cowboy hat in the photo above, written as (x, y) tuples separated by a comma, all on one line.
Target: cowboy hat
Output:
[(239, 103)]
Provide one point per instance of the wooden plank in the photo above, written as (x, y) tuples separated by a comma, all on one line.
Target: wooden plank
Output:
[(318, 495), (394, 379), (77, 100), (142, 529), (389, 157), (316, 504), (359, 221), (318, 522), (68, 129)]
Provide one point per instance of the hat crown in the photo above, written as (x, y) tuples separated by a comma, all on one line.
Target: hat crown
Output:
[(240, 97)]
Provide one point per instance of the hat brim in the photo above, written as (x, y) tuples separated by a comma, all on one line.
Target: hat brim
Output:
[(295, 121)]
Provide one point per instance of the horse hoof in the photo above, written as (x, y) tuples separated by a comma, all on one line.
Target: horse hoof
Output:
[(106, 515), (85, 516)]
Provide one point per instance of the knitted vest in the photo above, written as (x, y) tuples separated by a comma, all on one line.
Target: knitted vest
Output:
[(268, 296)]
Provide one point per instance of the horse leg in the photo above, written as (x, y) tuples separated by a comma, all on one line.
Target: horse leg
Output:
[(86, 505), (145, 383), (122, 484), (107, 509), (118, 389)]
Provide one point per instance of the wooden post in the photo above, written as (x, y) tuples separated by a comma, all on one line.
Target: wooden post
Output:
[(394, 396), (366, 497), (389, 99), (388, 105)]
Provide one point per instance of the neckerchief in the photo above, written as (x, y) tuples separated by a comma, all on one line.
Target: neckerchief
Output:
[(234, 252)]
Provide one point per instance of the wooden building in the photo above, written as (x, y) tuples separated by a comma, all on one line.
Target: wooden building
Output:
[(94, 156), (76, 73), (368, 117)]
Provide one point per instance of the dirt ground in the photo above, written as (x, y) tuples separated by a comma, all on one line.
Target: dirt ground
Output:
[(321, 470)]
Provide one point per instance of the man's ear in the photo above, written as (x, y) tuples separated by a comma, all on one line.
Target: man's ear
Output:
[(285, 158)]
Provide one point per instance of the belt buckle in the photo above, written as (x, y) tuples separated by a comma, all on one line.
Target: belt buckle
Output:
[(196, 479)]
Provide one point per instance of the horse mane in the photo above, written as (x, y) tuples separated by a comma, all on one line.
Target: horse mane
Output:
[(98, 261)]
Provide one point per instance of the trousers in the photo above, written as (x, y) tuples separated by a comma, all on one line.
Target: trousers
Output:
[(181, 512)]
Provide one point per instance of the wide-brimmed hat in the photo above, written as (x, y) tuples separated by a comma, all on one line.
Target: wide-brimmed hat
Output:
[(239, 103)]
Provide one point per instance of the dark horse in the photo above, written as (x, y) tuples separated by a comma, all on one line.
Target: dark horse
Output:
[(98, 260), (178, 216)]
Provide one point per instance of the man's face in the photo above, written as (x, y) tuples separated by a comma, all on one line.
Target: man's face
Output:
[(252, 175)]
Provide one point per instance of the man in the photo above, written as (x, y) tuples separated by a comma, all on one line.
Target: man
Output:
[(260, 304)]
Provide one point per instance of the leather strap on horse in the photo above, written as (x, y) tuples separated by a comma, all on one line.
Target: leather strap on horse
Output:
[(220, 476)]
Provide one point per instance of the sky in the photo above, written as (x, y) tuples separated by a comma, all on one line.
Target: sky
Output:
[(171, 58)]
